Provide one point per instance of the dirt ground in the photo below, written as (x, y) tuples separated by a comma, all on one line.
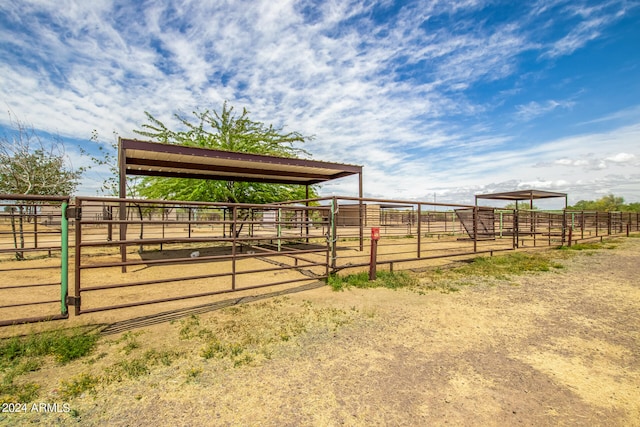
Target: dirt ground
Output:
[(552, 348)]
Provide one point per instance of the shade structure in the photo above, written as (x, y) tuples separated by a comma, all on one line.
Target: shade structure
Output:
[(176, 161), (520, 195)]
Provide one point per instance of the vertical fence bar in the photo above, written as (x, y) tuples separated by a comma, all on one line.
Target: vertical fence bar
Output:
[(64, 258), (35, 226), (516, 226), (333, 234), (475, 229), (233, 247), (78, 256), (279, 229), (419, 229)]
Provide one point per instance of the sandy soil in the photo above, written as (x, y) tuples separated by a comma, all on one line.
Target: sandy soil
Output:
[(554, 348)]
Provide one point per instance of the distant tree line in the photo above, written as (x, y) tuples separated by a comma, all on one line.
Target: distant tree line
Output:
[(608, 203)]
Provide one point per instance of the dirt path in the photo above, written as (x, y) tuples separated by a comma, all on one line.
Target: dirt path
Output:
[(554, 348)]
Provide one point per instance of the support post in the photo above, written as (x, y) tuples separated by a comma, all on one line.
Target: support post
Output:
[(333, 231), (77, 261), (475, 229), (233, 248), (373, 256), (64, 259), (361, 219), (419, 229), (123, 204)]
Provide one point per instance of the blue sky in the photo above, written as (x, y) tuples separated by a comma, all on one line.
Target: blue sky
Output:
[(436, 98)]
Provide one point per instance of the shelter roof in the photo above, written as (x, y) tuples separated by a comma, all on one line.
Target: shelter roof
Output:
[(521, 195), (157, 159)]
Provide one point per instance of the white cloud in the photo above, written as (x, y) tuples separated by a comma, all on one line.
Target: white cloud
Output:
[(534, 109), (622, 158), (391, 95)]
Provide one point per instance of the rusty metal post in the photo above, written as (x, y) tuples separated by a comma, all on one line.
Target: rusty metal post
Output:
[(475, 229), (516, 226), (333, 234), (564, 227), (233, 248), (373, 256), (77, 260), (419, 229)]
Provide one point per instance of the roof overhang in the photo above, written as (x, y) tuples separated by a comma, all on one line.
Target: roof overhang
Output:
[(177, 161), (521, 195)]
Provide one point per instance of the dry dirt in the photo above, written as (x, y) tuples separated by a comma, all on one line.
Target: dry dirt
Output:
[(553, 348)]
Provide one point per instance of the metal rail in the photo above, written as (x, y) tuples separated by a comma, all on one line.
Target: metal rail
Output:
[(32, 228)]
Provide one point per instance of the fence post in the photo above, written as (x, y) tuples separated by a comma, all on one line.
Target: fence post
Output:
[(64, 258), (333, 233), (233, 247), (516, 229), (564, 226), (475, 229), (279, 228), (78, 256), (373, 255), (419, 229)]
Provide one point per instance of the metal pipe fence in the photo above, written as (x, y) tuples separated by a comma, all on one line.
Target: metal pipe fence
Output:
[(411, 233), (33, 258), (137, 252), (128, 253)]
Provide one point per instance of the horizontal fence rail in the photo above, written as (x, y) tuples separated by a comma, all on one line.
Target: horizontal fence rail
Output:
[(138, 252), (33, 258), (129, 253)]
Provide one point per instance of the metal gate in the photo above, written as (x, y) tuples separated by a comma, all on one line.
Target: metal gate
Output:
[(135, 252), (33, 258)]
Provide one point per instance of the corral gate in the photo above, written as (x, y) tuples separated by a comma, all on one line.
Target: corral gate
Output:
[(482, 224), (34, 261), (136, 252)]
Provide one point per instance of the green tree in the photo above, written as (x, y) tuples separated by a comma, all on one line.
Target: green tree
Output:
[(223, 131), (30, 166), (608, 203)]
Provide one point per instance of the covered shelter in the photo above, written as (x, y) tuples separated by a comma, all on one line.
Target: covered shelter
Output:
[(520, 195), (146, 158), (177, 161)]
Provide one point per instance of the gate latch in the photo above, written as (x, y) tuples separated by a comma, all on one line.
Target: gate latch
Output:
[(74, 301), (74, 213)]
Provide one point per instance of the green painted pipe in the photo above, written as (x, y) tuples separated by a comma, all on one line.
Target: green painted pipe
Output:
[(64, 260)]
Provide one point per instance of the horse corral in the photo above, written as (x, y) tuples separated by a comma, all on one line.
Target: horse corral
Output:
[(98, 254), (177, 254)]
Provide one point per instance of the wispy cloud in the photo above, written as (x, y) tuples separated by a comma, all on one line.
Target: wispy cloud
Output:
[(396, 86), (534, 109)]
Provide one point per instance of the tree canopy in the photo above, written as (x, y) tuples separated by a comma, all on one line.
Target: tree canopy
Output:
[(223, 131), (28, 165), (608, 203)]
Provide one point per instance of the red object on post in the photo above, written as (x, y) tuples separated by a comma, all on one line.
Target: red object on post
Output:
[(375, 236), (375, 233)]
